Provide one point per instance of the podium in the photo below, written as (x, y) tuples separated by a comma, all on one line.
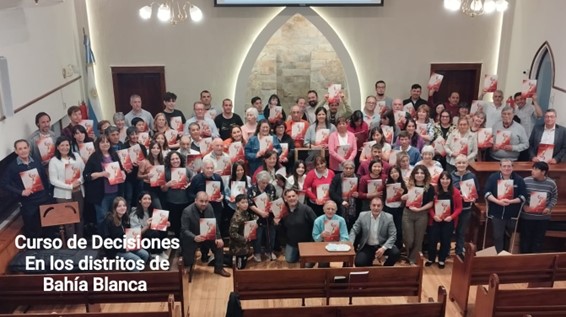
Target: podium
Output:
[(60, 215)]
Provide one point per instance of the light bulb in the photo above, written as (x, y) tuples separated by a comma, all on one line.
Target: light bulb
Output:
[(489, 6), (501, 5), (145, 12), (164, 13), (452, 5), (196, 13), (476, 5)]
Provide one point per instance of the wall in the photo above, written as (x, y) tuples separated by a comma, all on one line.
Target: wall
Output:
[(38, 43)]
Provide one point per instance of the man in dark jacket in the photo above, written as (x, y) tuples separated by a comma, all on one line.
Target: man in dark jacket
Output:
[(297, 225), (551, 136)]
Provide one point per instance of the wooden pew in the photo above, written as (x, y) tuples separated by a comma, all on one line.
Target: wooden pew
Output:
[(169, 313), (430, 309), (494, 302), (23, 289), (541, 268), (321, 283)]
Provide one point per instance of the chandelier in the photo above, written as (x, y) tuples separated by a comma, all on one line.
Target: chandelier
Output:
[(172, 11), (474, 8)]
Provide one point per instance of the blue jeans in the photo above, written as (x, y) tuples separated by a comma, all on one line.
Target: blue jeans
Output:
[(291, 254), (135, 255), (266, 233), (104, 207)]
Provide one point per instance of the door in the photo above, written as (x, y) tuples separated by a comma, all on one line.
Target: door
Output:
[(148, 82), (462, 78)]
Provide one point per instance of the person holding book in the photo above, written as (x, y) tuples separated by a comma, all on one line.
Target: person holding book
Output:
[(346, 202), (434, 167), (467, 183), (404, 145), (225, 120), (43, 123), (146, 172), (133, 185), (375, 135), (360, 129), (193, 222), (243, 228), (141, 217), (80, 137), (505, 192), (211, 183), (543, 195), (244, 184), (370, 115), (548, 135), (161, 125), (296, 179), (115, 226), (66, 175), (527, 113), (235, 136), (415, 139), (371, 185), (418, 200), (460, 141), (388, 123), (329, 227), (403, 165), (442, 130), (259, 144), (250, 126), (376, 155), (297, 225), (341, 145), (378, 236), (169, 108), (315, 136), (442, 220), (415, 98), (510, 138), (425, 125), (120, 122), (75, 117), (220, 158), (297, 126), (395, 188), (317, 184), (286, 157), (273, 110), (177, 180), (260, 196), (206, 124)]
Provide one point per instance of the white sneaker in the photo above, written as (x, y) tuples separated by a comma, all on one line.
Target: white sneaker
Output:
[(257, 257), (273, 257)]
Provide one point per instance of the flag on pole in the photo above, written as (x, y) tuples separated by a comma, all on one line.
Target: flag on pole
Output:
[(94, 110)]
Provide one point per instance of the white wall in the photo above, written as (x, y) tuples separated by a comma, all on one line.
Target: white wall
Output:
[(46, 41)]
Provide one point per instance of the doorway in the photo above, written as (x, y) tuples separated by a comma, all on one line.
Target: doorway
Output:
[(147, 81), (463, 78)]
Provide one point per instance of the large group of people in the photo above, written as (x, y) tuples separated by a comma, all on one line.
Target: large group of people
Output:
[(381, 176)]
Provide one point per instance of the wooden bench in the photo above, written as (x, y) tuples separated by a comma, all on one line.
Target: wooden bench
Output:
[(169, 313), (26, 289), (430, 309), (322, 283), (541, 268), (495, 302)]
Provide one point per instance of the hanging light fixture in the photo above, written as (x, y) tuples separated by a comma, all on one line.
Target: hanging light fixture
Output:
[(172, 11), (474, 8)]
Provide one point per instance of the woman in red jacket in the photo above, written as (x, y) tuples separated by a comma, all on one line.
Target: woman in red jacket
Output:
[(341, 145)]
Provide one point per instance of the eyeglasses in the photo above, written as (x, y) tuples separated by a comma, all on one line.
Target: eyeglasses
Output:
[(445, 116)]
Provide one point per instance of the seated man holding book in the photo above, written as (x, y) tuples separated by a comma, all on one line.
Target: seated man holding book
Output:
[(378, 236), (329, 227)]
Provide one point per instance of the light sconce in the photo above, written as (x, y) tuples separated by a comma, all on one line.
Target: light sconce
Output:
[(172, 11), (474, 8)]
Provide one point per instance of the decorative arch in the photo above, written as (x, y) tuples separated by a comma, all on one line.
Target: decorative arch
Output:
[(544, 51), (323, 26)]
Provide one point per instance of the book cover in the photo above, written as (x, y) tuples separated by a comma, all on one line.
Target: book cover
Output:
[(125, 159), (400, 117), (237, 188), (236, 151), (476, 105), (32, 180), (490, 83), (422, 128), (435, 81), (485, 138), (88, 125), (545, 151), (205, 146), (438, 145), (279, 208), (410, 109), (321, 137), (435, 172), (176, 124), (394, 192), (72, 173), (250, 230), (159, 220), (342, 150), (136, 153), (387, 133), (334, 93), (157, 176), (323, 192), (460, 146), (266, 143), (213, 190), (224, 166), (349, 185), (85, 150), (205, 130), (442, 207), (133, 239), (143, 138), (469, 190), (505, 189), (380, 108), (415, 197), (284, 149), (298, 130), (194, 161), (117, 176), (179, 176), (502, 138), (46, 148), (276, 113), (529, 88), (375, 186), (211, 113), (537, 202), (367, 148), (207, 228), (171, 136), (262, 202), (332, 227)]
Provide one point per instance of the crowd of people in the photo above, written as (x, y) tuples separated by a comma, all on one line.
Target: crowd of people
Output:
[(380, 177)]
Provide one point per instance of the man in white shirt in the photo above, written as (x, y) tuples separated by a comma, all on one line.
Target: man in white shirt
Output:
[(527, 113), (138, 112), (206, 99), (218, 157), (207, 125), (550, 134), (371, 116), (492, 110)]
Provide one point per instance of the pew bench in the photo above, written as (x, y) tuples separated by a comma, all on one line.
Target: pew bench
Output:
[(429, 309), (541, 269), (26, 289), (328, 283), (495, 302)]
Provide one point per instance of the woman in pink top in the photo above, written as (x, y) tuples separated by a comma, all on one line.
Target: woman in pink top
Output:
[(342, 145), (317, 185)]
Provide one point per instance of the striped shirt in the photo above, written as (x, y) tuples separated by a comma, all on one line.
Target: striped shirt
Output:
[(547, 186)]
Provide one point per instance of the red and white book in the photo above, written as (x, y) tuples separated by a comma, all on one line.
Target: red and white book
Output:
[(469, 190), (279, 209), (342, 150), (438, 145), (143, 138), (435, 172), (159, 219), (460, 146), (72, 173), (88, 125), (46, 148), (211, 113), (262, 202), (250, 230), (284, 149), (205, 146), (236, 151), (136, 153), (223, 165), (545, 151), (387, 133), (334, 93), (266, 143), (349, 185), (207, 228), (442, 207), (538, 202), (276, 113), (502, 138), (176, 124), (394, 192), (505, 189), (400, 117), (380, 108), (490, 83), (157, 176), (323, 192), (298, 130), (171, 136), (85, 150), (32, 180), (408, 107), (393, 157), (375, 186), (475, 107), (485, 138), (133, 239), (529, 88), (194, 161), (117, 176), (367, 148), (213, 190), (179, 176), (435, 81), (125, 158), (321, 137), (415, 196), (422, 128), (205, 130), (332, 228), (237, 188)]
